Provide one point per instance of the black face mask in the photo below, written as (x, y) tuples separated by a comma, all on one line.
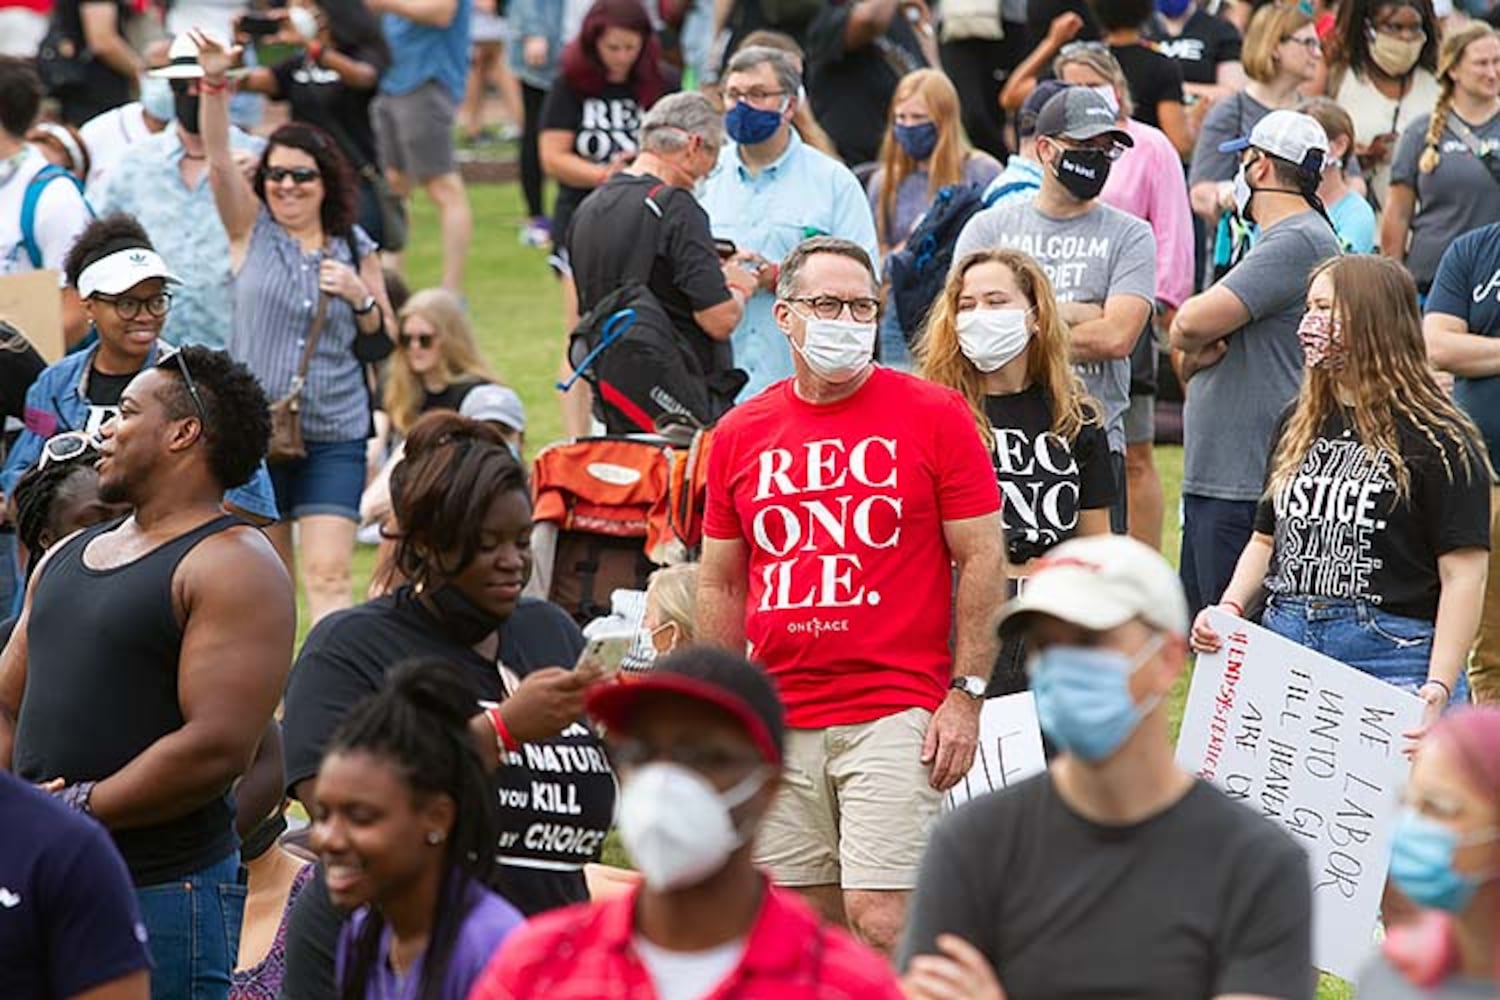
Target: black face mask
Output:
[(463, 621), (1083, 172), (186, 106), (264, 837)]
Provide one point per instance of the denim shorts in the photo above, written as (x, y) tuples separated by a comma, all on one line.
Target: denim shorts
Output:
[(193, 927), (1391, 648), (329, 480)]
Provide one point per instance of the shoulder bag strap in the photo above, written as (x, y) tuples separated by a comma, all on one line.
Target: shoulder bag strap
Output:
[(639, 268), (314, 334)]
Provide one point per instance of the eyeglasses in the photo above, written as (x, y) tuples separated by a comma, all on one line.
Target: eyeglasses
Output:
[(299, 175), (129, 308), (755, 95), (66, 447), (703, 759), (832, 307), (1411, 32), (1311, 44), (1112, 152), (187, 378), (422, 340)]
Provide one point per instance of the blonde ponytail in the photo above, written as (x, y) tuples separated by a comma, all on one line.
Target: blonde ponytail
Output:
[(1435, 128), (1455, 44)]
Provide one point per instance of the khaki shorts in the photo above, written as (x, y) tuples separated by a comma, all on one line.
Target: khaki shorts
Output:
[(855, 807)]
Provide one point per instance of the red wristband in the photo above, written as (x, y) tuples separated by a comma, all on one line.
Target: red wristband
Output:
[(1239, 608), (502, 731), (207, 86), (314, 51)]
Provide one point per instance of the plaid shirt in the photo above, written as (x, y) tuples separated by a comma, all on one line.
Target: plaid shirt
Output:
[(585, 952)]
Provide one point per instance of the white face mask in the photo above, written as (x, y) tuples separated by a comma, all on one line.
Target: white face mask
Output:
[(304, 21), (837, 350), (1242, 193), (1107, 92), (990, 338), (676, 826)]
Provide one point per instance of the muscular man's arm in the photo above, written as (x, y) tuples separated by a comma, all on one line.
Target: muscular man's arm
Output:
[(722, 586), (975, 545), (240, 620)]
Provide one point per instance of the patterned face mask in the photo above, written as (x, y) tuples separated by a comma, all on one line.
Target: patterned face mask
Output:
[(1322, 337)]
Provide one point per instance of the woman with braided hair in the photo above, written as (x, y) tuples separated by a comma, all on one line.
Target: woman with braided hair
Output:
[(1445, 179), (405, 821)]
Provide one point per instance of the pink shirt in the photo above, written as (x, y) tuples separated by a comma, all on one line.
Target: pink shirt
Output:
[(1148, 182)]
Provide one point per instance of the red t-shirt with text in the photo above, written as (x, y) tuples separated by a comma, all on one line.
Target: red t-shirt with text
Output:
[(841, 507)]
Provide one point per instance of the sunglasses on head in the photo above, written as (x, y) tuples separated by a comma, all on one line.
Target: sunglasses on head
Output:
[(422, 340), (298, 175), (168, 357), (66, 447)]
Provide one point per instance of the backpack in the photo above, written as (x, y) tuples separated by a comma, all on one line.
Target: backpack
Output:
[(34, 190), (919, 269), (600, 504), (641, 368)]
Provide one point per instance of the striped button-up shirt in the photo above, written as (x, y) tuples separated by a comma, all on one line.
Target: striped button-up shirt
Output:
[(276, 296)]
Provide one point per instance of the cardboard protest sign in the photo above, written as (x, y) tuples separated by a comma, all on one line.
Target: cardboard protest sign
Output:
[(1316, 746), (1010, 748), (32, 303)]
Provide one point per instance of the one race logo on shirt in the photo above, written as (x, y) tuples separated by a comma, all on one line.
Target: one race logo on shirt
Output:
[(608, 127), (818, 509), (1327, 517), (1182, 49)]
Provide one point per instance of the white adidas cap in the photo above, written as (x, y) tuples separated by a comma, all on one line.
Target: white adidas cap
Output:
[(123, 270), (1099, 583)]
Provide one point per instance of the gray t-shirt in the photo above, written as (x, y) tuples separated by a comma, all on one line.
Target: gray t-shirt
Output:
[(1459, 194), (1202, 899), (1099, 254), (1232, 407)]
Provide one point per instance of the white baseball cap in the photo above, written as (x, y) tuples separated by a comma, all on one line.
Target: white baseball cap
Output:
[(121, 271), (1288, 135), (1099, 583)]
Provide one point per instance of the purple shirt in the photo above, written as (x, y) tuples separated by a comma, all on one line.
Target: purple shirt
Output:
[(489, 921), (1148, 183)]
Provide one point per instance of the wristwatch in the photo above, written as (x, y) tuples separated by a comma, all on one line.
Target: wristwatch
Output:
[(366, 307), (969, 685)]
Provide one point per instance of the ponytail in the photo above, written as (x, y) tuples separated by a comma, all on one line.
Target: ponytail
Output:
[(1455, 44)]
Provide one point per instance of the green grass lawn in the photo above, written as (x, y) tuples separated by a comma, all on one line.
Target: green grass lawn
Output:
[(516, 309)]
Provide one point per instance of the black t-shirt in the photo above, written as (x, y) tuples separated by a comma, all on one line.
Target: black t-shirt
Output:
[(1203, 899), (846, 85), (1205, 42), (450, 397), (608, 249), (1044, 480), (20, 364), (104, 392), (1153, 78), (346, 658), (103, 88), (602, 127), (1341, 531), (319, 96)]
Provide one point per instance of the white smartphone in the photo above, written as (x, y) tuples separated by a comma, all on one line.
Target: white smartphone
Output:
[(604, 654)]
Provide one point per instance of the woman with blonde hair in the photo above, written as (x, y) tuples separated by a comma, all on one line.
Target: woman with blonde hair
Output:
[(1445, 179), (1371, 539), (672, 607), (924, 150), (995, 335), (438, 362)]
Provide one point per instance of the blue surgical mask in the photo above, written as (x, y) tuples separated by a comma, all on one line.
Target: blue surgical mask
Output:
[(157, 99), (917, 140), (750, 126), (1173, 8), (1422, 862), (1083, 697)]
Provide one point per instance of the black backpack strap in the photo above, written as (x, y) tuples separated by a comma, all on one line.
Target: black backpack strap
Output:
[(638, 267)]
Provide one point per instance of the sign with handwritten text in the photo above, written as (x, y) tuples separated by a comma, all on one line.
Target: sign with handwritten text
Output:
[(1316, 746), (1010, 748)]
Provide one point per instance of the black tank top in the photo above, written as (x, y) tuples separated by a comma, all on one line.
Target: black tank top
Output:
[(101, 686)]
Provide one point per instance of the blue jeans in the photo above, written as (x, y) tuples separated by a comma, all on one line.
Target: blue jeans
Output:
[(1391, 648), (1214, 533), (193, 925), (329, 480)]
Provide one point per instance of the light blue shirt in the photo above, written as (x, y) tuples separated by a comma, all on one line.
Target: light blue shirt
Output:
[(1020, 179), (423, 52), (1354, 223), (803, 194), (184, 226)]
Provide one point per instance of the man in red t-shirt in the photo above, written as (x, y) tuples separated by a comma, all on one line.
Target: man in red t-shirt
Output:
[(840, 502)]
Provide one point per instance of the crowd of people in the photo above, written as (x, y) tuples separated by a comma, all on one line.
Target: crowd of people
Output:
[(900, 296)]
